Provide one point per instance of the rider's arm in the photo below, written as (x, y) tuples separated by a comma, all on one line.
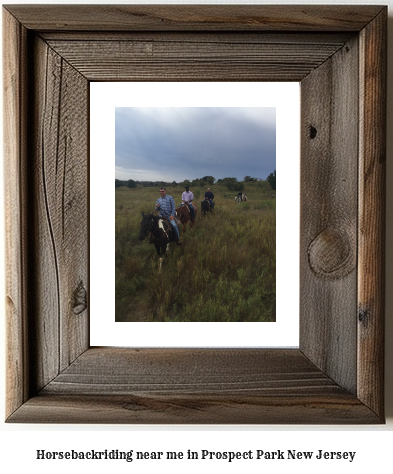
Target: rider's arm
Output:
[(173, 208)]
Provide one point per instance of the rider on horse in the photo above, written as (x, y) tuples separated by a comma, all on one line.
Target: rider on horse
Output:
[(186, 199), (166, 205), (209, 196)]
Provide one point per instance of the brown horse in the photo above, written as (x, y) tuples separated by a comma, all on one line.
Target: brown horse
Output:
[(184, 214)]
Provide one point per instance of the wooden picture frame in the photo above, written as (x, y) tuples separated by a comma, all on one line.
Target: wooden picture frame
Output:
[(338, 54)]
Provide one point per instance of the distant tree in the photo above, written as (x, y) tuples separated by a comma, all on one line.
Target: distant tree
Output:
[(209, 179), (272, 179), (233, 184), (118, 183), (131, 183), (174, 183), (248, 179)]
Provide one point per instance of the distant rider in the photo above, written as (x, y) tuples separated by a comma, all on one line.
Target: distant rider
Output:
[(209, 196), (166, 205), (187, 198)]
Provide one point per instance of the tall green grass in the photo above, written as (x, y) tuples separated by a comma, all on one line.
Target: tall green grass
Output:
[(224, 271)]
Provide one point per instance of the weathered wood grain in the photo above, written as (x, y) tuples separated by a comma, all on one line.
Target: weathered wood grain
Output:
[(195, 17), (197, 385), (201, 37), (216, 60), (336, 375), (60, 179), (15, 201), (372, 192), (327, 409), (192, 371), (328, 254)]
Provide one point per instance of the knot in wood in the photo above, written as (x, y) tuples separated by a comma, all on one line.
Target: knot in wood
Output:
[(331, 255), (80, 299), (313, 132), (363, 315)]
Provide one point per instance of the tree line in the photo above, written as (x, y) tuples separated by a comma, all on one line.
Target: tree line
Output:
[(231, 183)]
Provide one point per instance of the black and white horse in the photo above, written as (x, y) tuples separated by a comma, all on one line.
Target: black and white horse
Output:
[(158, 231)]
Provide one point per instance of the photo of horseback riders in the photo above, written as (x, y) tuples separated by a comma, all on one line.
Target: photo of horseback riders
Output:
[(185, 252)]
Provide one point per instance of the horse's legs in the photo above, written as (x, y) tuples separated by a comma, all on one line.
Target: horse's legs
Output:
[(184, 228), (161, 252)]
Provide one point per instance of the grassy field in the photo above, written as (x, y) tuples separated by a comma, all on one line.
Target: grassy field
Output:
[(224, 271)]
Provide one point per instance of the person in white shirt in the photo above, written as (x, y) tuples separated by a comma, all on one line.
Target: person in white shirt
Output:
[(187, 198)]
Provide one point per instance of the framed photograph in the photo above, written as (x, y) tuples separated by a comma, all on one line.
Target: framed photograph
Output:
[(220, 269), (52, 55)]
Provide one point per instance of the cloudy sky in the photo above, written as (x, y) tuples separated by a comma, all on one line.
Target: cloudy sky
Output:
[(177, 143)]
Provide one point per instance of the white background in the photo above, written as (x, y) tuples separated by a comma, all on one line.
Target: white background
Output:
[(104, 97), (18, 443)]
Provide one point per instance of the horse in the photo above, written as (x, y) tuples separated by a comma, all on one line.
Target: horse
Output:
[(206, 206), (159, 233), (184, 214)]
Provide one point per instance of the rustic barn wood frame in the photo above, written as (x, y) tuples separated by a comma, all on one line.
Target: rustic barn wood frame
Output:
[(338, 54)]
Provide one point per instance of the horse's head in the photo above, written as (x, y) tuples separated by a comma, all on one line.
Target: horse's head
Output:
[(146, 223)]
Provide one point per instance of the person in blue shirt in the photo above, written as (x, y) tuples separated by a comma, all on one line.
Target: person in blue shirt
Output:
[(166, 205)]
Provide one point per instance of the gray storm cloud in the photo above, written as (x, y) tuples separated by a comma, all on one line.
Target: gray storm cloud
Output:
[(177, 143)]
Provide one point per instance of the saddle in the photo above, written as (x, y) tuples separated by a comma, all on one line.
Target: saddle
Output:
[(188, 207), (165, 219)]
